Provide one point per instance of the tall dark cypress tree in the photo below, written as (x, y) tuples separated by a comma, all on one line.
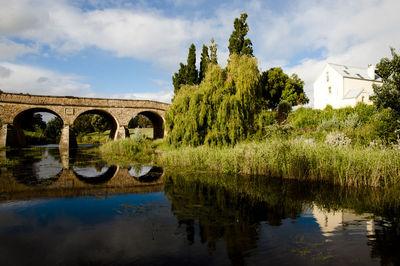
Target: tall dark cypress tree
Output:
[(237, 42), (179, 78), (187, 74), (191, 71), (205, 59)]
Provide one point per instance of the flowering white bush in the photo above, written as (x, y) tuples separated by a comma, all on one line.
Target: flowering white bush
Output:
[(337, 139)]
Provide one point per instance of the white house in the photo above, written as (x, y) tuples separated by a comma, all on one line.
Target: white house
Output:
[(341, 86)]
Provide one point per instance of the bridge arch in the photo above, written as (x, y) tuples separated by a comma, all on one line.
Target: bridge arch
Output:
[(107, 115), (17, 136), (157, 120)]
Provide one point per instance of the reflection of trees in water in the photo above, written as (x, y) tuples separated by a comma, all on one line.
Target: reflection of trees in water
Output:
[(385, 242), (227, 211), (36, 166), (232, 208), (87, 157)]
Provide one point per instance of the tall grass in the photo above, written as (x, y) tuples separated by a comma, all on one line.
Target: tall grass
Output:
[(354, 166), (137, 148)]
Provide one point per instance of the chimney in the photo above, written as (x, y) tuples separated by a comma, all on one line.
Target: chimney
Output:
[(371, 72)]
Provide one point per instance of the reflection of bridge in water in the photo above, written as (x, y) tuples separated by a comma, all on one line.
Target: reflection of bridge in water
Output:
[(116, 180)]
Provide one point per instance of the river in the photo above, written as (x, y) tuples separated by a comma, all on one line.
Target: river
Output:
[(87, 212)]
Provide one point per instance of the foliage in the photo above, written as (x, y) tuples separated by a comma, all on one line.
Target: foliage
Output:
[(264, 119), (337, 139), (33, 122), (276, 86), (100, 123), (35, 137), (192, 73), (238, 44), (179, 78), (298, 159), (205, 59), (363, 124), (82, 124), (304, 118), (187, 74), (388, 94), (221, 110), (229, 104), (213, 52), (284, 108), (136, 148), (53, 129), (88, 123), (139, 121)]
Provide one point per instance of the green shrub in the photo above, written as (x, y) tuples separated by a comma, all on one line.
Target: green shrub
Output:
[(304, 118), (136, 148)]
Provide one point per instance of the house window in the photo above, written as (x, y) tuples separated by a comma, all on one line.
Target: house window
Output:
[(362, 99), (329, 89), (327, 76)]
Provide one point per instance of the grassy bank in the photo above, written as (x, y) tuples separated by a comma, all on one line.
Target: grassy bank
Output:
[(125, 151), (296, 158)]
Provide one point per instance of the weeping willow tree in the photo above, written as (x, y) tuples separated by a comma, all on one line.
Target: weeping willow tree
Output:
[(229, 104), (221, 110)]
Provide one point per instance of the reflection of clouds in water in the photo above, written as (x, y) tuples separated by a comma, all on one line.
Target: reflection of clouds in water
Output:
[(139, 171), (90, 171), (21, 204), (47, 167)]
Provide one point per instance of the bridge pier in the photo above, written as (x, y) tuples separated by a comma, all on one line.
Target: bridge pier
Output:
[(67, 139), (122, 132), (10, 136)]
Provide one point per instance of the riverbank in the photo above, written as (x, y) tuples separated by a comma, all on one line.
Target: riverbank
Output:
[(297, 158)]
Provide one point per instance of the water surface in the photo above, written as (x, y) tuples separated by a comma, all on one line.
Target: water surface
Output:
[(86, 211)]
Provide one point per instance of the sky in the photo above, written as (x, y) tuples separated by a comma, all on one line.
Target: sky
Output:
[(130, 49)]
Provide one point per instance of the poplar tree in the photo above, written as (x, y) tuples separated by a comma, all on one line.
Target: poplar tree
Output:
[(213, 52), (179, 78), (205, 59), (238, 44), (191, 70), (187, 74)]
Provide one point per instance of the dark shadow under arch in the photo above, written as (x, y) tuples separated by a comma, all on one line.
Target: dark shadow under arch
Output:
[(17, 136)]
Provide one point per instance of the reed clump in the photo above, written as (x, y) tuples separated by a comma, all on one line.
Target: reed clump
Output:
[(294, 158), (137, 148)]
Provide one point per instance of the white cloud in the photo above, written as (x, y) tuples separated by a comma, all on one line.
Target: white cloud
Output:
[(137, 32), (4, 72), (28, 79), (33, 80), (11, 50), (21, 16), (300, 37), (160, 96)]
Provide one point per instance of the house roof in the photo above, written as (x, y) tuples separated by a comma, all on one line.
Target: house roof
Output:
[(354, 93), (354, 72)]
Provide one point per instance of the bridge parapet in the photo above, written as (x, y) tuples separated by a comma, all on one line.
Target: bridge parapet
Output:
[(79, 101)]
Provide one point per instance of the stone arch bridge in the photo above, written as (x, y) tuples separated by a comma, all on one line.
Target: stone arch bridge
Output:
[(13, 107)]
